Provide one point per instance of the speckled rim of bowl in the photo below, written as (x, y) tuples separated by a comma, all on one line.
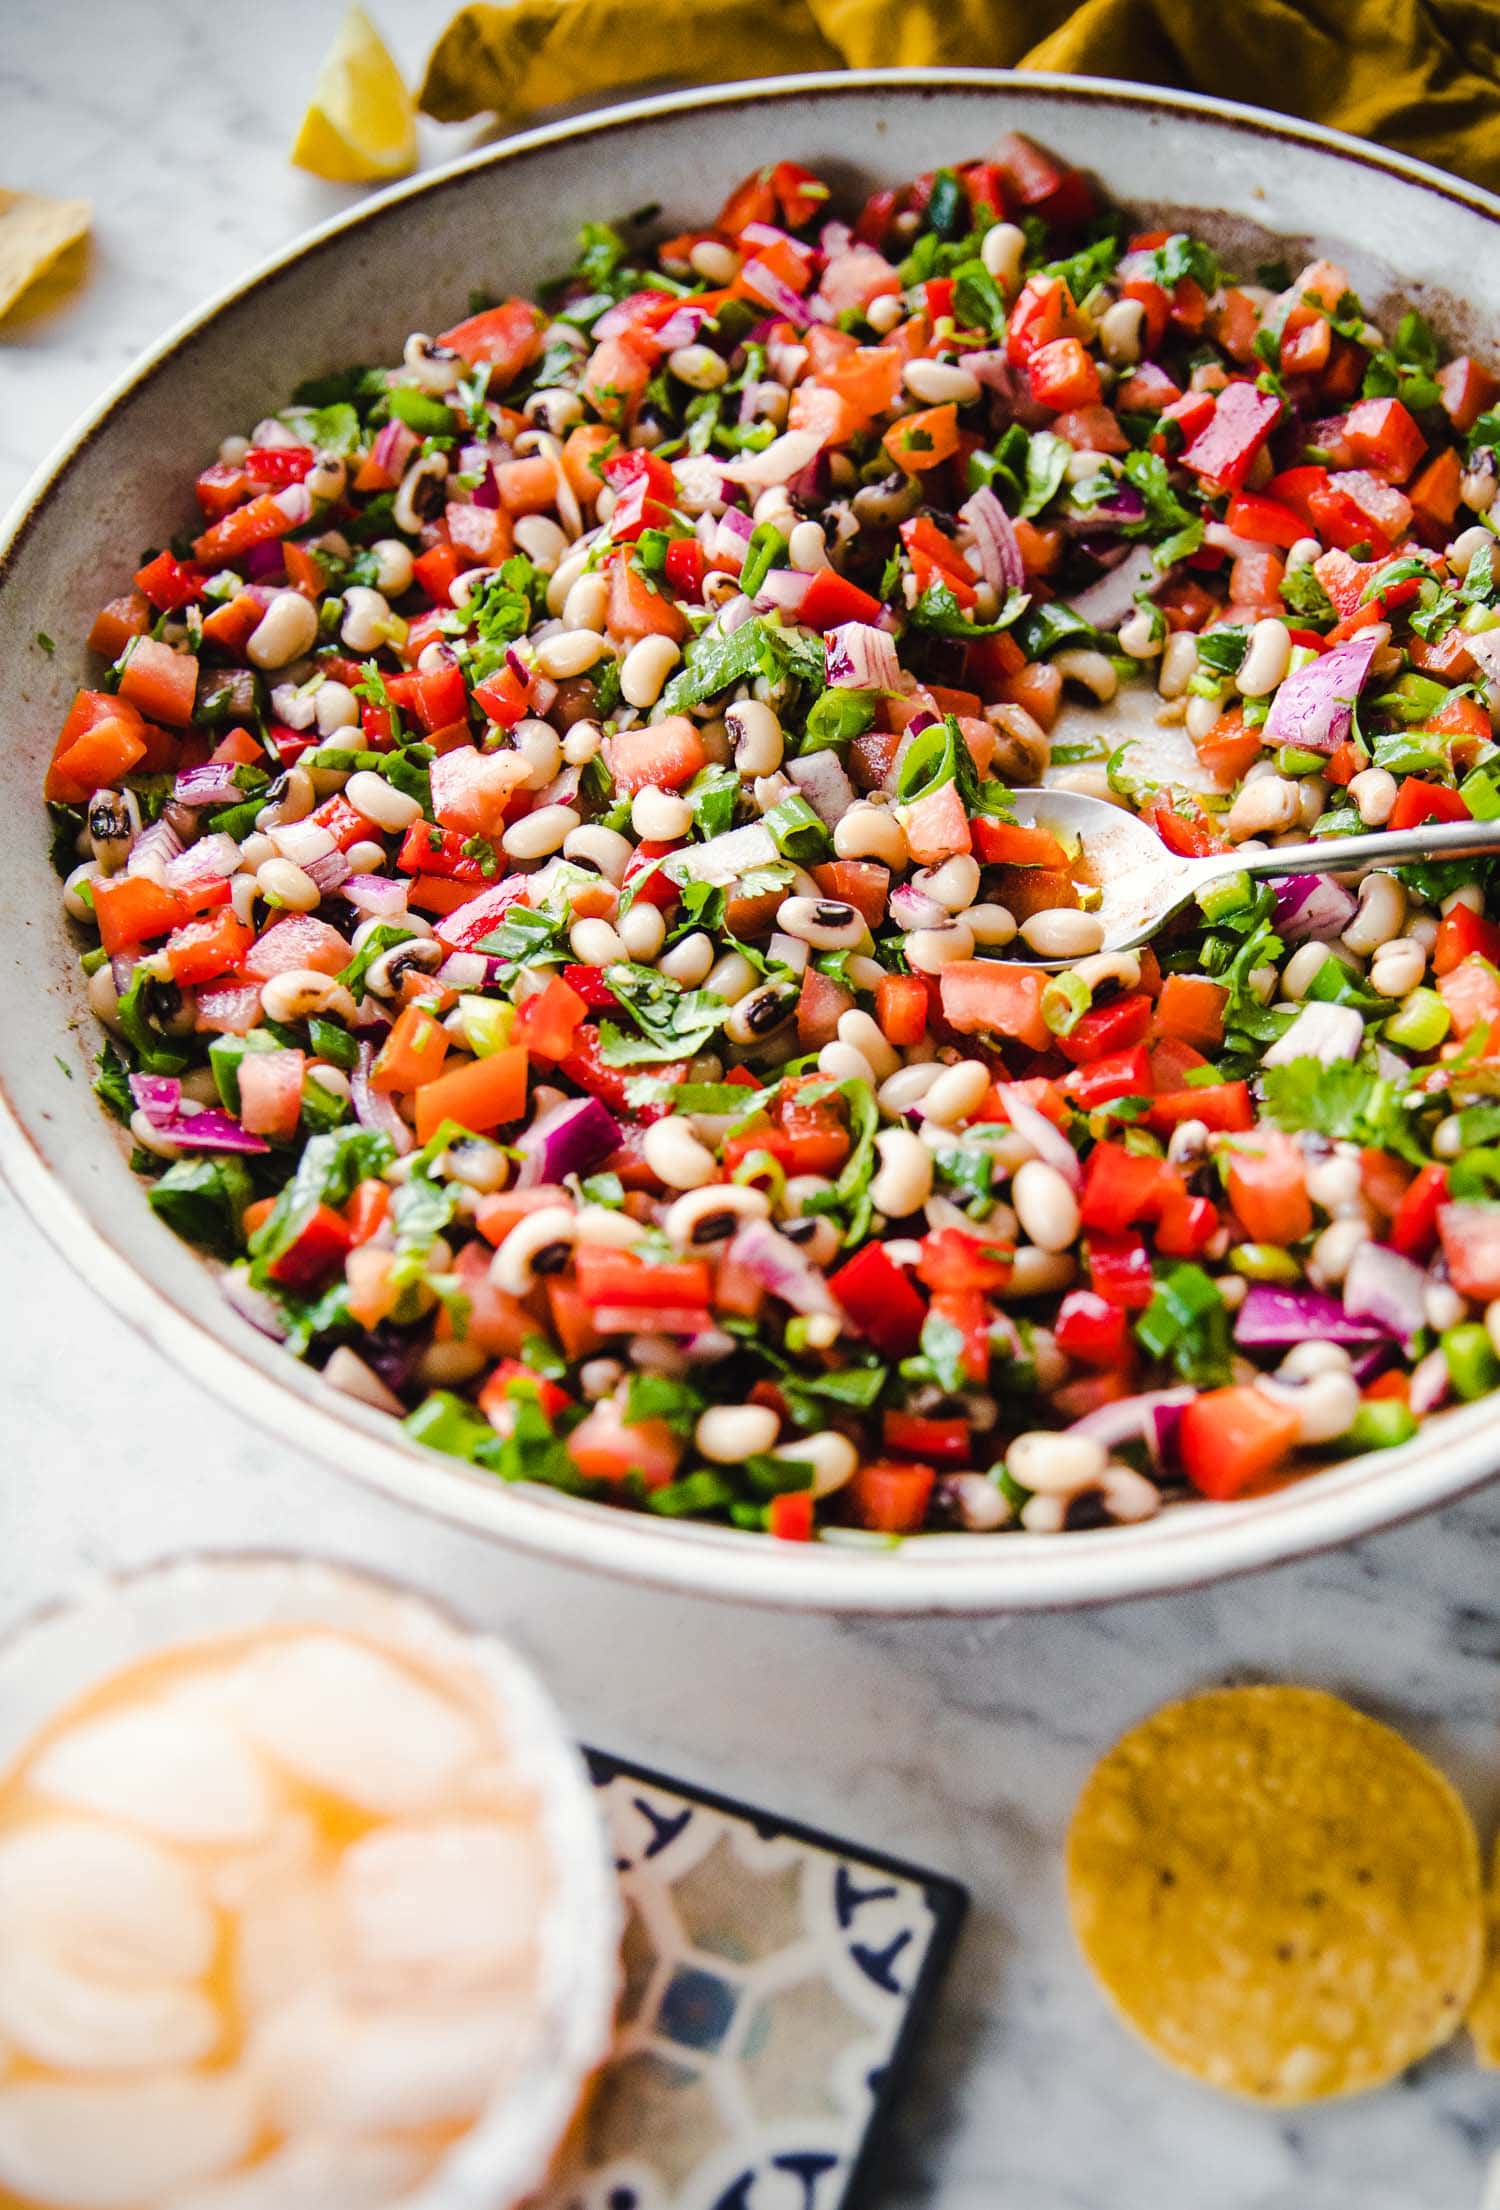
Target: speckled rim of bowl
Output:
[(1187, 1548)]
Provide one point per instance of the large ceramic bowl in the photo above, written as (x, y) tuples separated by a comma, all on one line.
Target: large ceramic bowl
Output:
[(407, 260)]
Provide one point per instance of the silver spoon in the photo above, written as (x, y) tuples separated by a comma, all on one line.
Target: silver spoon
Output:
[(1143, 884)]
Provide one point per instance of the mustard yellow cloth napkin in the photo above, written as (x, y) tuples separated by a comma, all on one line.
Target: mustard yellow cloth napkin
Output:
[(1422, 76)]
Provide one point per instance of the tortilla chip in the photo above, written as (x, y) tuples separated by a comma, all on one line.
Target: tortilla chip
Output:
[(1483, 2020), (1280, 1895), (33, 232)]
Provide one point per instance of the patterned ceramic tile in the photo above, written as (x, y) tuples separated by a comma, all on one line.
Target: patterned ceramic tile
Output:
[(773, 1982)]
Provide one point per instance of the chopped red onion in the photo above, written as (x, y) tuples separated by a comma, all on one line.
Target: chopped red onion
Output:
[(783, 1267), (1132, 1419), (1313, 906), (860, 657), (682, 326), (1431, 1382), (213, 784), (731, 536), (821, 779), (465, 971), (994, 536), (394, 447), (1223, 539), (213, 859), (1314, 706), (373, 1108), (1274, 1319), (381, 895), (1047, 1141), (571, 1138), (329, 871), (1326, 1032), (252, 1304), (734, 614), (1105, 603), (486, 492), (159, 1096), (1122, 507), (1383, 1286), (785, 589), (762, 283), (767, 234), (518, 664), (159, 842), (913, 909), (265, 560)]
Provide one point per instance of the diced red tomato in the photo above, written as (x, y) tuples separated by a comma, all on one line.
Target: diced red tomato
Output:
[(1383, 435), (160, 683), (503, 338), (605, 1448), (1223, 451), (1268, 1189), (319, 1246), (203, 950), (890, 1499), (102, 739), (1232, 1438), (1122, 1188), (132, 909), (271, 1093), (666, 754), (548, 1021), (1224, 1107), (608, 1274)]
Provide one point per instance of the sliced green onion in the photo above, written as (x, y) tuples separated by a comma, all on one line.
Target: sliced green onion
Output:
[(1226, 896), (487, 1024), (1264, 1262), (1421, 1024), (1065, 1000)]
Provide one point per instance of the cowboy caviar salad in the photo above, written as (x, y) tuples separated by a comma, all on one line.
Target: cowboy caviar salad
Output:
[(544, 839)]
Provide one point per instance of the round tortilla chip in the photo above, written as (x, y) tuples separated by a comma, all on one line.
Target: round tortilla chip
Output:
[(1483, 2020), (1280, 1895)]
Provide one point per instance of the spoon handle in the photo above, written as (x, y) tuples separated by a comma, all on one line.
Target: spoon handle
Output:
[(1337, 855)]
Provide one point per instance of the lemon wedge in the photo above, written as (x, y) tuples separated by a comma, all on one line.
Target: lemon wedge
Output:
[(361, 126)]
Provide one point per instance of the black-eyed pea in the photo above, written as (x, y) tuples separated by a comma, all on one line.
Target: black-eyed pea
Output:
[(540, 1243), (728, 1434), (1061, 932), (868, 1038), (1045, 1205), (930, 950), (833, 1458), (958, 1091), (713, 1213), (902, 1183), (1051, 1464), (675, 1156)]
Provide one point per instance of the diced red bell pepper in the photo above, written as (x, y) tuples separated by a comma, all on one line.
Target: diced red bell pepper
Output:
[(1224, 1107), (1091, 1329), (548, 1021), (1225, 448), (1120, 1074), (832, 600), (954, 1260), (278, 465), (255, 523), (1461, 932), (686, 565), (1187, 1225), (1418, 801), (1191, 836), (791, 1517), (1414, 1227), (170, 583), (968, 1312), (1107, 1029), (881, 1301), (1121, 1188), (946, 1441), (131, 909), (321, 1244), (427, 850), (463, 929), (1120, 1269)]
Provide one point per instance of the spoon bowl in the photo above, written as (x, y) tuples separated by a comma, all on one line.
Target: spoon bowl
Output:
[(1142, 885)]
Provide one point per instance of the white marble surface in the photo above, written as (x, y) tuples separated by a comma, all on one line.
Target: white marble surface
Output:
[(962, 1745)]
